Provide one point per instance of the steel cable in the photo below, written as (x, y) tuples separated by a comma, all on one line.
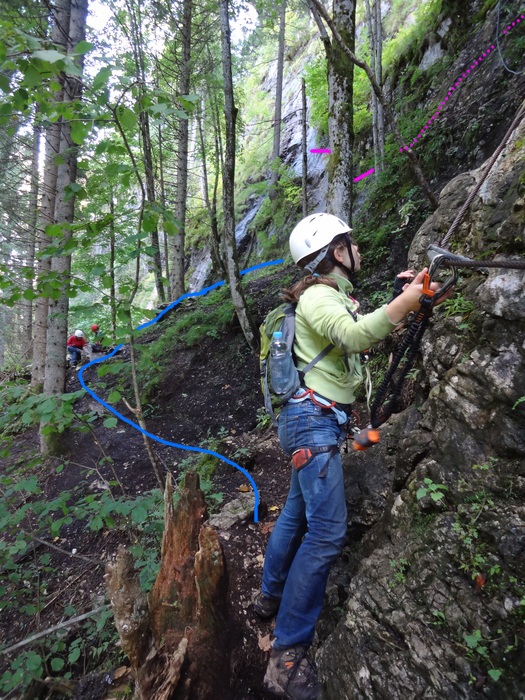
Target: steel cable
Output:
[(461, 214)]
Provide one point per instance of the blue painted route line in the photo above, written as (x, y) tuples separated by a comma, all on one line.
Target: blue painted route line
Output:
[(189, 448)]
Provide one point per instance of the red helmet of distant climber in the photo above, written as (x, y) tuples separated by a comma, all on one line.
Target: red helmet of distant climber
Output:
[(94, 327)]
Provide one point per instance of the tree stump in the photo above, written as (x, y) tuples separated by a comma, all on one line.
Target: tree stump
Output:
[(176, 644)]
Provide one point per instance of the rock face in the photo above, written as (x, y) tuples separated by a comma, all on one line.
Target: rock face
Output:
[(436, 606)]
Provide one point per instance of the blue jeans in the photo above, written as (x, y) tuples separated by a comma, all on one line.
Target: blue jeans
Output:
[(311, 530), (76, 354)]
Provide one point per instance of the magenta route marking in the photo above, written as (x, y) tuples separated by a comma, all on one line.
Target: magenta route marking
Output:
[(476, 62), (360, 177), (320, 150)]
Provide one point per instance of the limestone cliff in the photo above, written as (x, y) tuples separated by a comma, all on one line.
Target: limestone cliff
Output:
[(436, 608)]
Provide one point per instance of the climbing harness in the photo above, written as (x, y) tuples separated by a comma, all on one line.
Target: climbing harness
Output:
[(441, 259)]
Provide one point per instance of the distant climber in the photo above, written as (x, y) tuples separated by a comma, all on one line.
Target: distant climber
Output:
[(96, 345), (75, 344)]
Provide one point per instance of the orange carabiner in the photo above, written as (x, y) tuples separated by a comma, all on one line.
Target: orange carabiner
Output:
[(427, 291)]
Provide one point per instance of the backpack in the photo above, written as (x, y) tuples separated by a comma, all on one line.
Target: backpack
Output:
[(282, 318)]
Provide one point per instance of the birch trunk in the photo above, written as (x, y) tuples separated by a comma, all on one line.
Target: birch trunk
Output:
[(177, 263), (228, 182), (135, 18), (370, 23)]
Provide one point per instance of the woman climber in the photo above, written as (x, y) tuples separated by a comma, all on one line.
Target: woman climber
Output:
[(310, 531)]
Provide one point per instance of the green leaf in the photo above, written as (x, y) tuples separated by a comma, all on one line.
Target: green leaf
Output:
[(57, 664), (80, 131), (29, 294), (110, 422), (421, 493), (97, 270), (495, 674), (114, 396), (139, 514), (171, 228), (33, 661), (53, 230), (116, 168), (101, 78), (4, 83), (472, 640), (151, 250), (49, 55), (126, 117), (74, 655), (32, 78), (82, 48)]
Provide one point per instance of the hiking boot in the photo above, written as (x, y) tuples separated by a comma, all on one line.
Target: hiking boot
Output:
[(291, 674), (266, 607)]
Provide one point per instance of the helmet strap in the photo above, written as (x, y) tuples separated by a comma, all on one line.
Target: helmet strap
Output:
[(349, 270), (323, 253), (315, 262)]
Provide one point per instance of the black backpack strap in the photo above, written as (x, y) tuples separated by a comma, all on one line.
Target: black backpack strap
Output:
[(319, 357)]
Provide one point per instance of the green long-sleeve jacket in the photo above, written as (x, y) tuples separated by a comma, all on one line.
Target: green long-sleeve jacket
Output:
[(323, 317)]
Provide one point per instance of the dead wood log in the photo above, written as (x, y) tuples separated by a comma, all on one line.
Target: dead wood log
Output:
[(174, 594), (130, 606), (176, 644)]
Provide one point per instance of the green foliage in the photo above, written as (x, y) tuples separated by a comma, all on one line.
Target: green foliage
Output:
[(264, 420), (26, 589), (288, 185), (23, 409), (316, 79), (409, 38), (434, 491), (457, 305), (400, 568)]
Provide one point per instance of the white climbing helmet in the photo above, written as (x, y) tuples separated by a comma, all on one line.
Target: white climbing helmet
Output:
[(315, 233), (79, 334)]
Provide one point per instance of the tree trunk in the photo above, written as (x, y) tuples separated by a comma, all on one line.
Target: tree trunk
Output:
[(211, 205), (112, 289), (55, 372), (278, 102), (163, 204), (176, 644), (372, 42), (379, 78), (228, 183), (47, 206), (30, 260), (304, 146), (341, 114), (320, 11), (373, 18), (177, 263), (145, 136)]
